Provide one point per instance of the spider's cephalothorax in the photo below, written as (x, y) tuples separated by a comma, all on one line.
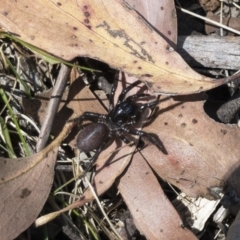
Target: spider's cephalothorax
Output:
[(119, 122), (124, 114)]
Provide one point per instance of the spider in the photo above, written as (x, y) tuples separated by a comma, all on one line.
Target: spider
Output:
[(119, 121)]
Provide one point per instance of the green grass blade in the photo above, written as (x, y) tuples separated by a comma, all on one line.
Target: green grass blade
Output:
[(7, 139), (13, 116), (46, 56), (25, 86)]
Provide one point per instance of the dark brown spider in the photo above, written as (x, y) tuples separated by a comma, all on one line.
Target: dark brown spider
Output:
[(119, 122)]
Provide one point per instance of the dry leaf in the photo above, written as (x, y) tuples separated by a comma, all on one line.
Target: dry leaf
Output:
[(106, 30), (25, 185), (152, 212), (23, 197), (202, 154), (161, 15)]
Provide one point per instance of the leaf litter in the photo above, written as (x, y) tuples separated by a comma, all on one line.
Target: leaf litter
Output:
[(189, 149)]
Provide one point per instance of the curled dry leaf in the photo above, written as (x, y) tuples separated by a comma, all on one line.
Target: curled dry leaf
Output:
[(106, 30), (202, 154), (25, 184)]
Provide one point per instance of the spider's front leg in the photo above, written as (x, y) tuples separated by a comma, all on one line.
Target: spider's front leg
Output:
[(112, 93), (126, 90), (151, 137)]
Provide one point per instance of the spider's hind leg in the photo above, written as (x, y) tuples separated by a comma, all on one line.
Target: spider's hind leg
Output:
[(94, 117), (122, 137), (94, 159)]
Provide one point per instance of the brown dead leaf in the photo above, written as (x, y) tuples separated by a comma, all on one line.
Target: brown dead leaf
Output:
[(152, 212), (23, 198), (162, 21), (202, 153), (25, 185), (227, 21), (106, 30)]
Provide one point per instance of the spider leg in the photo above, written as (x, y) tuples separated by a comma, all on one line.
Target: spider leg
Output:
[(150, 105), (94, 117), (94, 159), (122, 137), (141, 95), (151, 137), (112, 93), (126, 90)]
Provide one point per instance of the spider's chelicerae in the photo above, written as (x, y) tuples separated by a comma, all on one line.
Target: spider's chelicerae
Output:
[(119, 122)]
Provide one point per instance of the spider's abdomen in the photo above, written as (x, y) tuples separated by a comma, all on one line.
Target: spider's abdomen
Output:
[(124, 113), (92, 137)]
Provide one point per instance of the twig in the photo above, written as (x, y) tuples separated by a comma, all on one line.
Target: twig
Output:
[(209, 20), (53, 106)]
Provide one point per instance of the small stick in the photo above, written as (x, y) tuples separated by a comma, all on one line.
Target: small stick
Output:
[(53, 106)]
